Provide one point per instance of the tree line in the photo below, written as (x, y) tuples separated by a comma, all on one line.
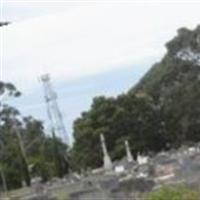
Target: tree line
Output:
[(26, 151)]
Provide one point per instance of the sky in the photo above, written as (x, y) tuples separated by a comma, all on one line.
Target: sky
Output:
[(89, 48)]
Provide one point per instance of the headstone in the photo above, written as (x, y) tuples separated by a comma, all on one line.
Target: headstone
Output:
[(119, 169), (106, 158), (142, 160), (164, 172), (128, 152)]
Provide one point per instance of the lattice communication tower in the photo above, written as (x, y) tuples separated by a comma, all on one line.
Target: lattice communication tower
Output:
[(53, 111)]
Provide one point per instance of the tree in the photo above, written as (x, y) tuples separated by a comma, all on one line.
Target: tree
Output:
[(25, 148), (162, 111), (126, 117)]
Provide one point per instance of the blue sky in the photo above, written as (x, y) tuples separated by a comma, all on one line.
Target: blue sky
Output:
[(90, 48), (76, 96)]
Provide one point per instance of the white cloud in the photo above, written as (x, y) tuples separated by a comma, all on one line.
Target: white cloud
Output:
[(90, 39)]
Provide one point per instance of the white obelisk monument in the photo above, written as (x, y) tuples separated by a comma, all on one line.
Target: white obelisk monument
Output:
[(106, 158), (128, 152)]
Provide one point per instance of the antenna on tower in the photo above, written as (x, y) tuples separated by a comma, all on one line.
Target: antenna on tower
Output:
[(53, 111)]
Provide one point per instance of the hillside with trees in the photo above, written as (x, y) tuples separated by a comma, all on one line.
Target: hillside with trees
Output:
[(161, 112)]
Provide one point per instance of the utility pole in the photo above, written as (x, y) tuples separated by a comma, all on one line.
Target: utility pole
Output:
[(3, 177), (25, 168)]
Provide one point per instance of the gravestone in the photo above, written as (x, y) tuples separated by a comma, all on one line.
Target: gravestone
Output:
[(128, 152), (106, 157)]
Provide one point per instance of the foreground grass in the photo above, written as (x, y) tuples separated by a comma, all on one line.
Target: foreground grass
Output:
[(179, 192), (16, 194)]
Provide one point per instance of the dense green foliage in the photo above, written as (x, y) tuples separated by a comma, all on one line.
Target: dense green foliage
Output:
[(116, 118), (25, 150), (174, 84), (173, 193), (162, 111)]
